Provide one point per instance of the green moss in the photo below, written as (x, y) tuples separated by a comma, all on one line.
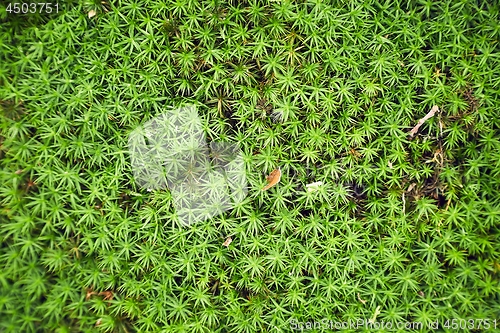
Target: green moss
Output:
[(402, 229)]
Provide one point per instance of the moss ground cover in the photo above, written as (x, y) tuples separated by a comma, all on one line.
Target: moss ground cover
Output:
[(398, 228)]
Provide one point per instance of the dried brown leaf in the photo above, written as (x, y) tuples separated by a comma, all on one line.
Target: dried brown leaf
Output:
[(227, 242), (273, 179)]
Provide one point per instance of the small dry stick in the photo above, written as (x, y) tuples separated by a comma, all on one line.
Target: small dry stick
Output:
[(89, 293), (429, 115), (412, 185), (404, 203), (108, 295)]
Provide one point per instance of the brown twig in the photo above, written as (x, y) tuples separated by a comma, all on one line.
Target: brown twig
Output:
[(429, 115)]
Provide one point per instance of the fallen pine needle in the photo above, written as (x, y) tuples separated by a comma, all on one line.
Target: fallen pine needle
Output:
[(429, 115)]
